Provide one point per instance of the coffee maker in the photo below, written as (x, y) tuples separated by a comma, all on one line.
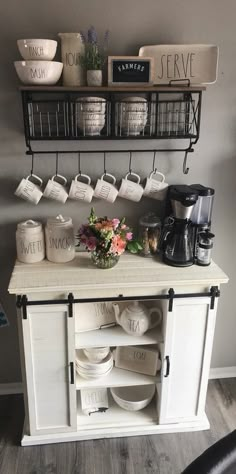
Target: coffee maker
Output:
[(201, 214), (178, 249)]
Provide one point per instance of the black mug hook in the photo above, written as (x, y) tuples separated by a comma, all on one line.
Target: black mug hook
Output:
[(79, 169), (104, 163), (154, 169), (130, 162), (32, 164), (185, 168), (56, 163)]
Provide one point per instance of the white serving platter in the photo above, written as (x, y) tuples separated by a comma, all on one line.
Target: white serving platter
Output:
[(174, 62)]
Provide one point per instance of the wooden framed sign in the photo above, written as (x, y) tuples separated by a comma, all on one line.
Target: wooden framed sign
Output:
[(130, 71)]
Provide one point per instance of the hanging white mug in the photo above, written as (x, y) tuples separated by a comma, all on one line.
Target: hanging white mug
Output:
[(155, 188), (80, 190), (55, 188), (106, 190), (131, 189), (28, 190)]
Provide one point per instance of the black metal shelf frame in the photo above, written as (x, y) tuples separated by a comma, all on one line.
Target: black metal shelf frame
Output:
[(57, 115), (22, 300)]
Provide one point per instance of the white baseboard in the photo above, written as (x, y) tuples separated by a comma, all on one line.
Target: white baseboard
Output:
[(10, 388), (222, 373)]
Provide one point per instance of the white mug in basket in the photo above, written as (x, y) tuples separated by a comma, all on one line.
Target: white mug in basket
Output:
[(155, 188), (81, 188), (106, 190), (131, 189), (28, 190), (55, 188)]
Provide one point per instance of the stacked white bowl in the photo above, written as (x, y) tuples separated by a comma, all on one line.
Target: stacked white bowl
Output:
[(132, 115), (91, 115), (97, 365), (38, 67)]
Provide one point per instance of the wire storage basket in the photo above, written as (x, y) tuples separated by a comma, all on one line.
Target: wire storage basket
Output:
[(78, 115)]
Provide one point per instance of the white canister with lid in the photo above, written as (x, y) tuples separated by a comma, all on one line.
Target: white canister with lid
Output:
[(30, 245), (60, 241)]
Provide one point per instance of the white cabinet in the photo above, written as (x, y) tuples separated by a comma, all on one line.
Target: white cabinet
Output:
[(48, 345), (186, 359), (48, 329)]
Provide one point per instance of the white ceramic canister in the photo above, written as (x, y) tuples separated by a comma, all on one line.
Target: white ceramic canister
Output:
[(60, 241), (71, 48), (30, 244)]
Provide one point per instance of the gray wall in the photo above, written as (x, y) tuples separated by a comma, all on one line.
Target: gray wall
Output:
[(132, 24)]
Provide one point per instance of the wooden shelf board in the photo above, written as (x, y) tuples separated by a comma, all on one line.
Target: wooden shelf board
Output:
[(116, 416), (116, 336), (117, 378), (85, 89)]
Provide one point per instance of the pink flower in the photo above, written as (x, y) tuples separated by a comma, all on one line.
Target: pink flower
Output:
[(118, 245), (123, 226), (129, 235), (91, 243), (115, 223)]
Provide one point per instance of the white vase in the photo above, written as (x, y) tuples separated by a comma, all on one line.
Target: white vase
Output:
[(71, 48), (94, 78)]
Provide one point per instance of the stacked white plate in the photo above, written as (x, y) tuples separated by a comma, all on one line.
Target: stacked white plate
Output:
[(93, 370), (91, 115), (132, 115)]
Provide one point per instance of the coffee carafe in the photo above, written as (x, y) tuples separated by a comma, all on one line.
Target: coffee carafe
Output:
[(202, 212), (178, 241)]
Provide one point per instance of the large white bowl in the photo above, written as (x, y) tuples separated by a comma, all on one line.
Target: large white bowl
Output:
[(37, 49), (39, 72), (133, 398), (94, 116), (134, 104)]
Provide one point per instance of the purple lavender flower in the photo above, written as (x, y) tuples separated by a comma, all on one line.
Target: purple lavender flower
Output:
[(83, 37), (92, 35)]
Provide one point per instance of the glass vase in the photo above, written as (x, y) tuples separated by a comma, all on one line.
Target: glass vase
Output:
[(104, 261)]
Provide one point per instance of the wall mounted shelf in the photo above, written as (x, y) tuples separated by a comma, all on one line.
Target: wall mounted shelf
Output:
[(56, 113)]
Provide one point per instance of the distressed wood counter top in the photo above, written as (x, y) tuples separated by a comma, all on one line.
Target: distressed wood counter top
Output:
[(133, 275)]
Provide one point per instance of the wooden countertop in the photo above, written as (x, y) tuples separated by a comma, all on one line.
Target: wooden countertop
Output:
[(132, 273)]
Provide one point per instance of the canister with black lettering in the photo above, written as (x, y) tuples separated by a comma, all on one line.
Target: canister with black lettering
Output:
[(30, 246), (60, 240)]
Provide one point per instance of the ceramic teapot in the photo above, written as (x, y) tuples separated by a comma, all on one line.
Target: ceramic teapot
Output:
[(136, 319)]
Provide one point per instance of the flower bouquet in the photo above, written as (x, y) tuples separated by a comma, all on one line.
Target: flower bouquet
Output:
[(106, 239)]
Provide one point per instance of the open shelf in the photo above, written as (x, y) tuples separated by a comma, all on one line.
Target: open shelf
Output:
[(117, 378), (116, 336), (58, 113), (116, 416)]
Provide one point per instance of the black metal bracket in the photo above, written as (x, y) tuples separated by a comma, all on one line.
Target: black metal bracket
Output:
[(215, 293), (22, 301), (171, 298), (70, 304)]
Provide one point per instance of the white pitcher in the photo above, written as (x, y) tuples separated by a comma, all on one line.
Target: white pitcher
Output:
[(136, 319), (71, 48)]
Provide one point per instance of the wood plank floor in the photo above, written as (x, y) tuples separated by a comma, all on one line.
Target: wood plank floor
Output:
[(159, 454)]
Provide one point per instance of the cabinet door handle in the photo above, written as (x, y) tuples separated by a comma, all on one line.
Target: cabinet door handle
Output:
[(167, 366), (72, 379)]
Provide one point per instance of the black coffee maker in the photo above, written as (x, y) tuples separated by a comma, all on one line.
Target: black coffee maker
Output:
[(178, 242)]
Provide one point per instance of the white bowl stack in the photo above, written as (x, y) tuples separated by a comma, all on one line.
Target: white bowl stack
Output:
[(132, 115), (38, 67), (93, 370), (133, 398), (91, 115)]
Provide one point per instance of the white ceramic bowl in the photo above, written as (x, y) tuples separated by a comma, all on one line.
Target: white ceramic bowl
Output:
[(37, 49), (94, 116), (140, 116), (96, 354), (92, 104), (39, 72), (93, 370), (134, 104), (133, 398)]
